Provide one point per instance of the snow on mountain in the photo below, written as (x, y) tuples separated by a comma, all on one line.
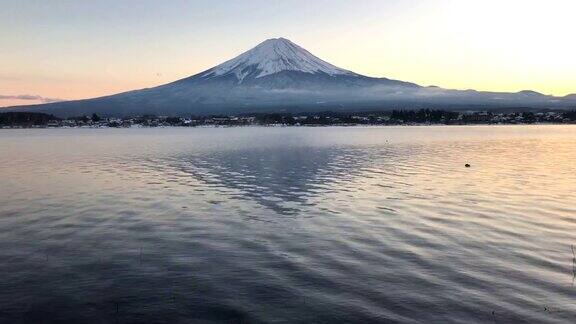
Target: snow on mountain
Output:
[(278, 75), (273, 56)]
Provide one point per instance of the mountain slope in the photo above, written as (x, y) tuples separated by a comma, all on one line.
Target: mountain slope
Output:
[(278, 75)]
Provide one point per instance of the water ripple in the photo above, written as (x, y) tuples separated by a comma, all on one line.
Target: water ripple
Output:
[(268, 225)]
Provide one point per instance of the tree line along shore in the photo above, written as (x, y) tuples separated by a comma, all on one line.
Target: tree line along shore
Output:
[(328, 118)]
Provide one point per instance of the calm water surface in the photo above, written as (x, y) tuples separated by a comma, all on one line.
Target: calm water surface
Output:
[(288, 225)]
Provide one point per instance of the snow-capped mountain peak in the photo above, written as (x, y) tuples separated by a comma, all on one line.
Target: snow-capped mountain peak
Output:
[(278, 75), (273, 56)]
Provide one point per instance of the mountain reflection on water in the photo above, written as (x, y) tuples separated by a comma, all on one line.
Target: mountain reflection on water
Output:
[(288, 225), (282, 178)]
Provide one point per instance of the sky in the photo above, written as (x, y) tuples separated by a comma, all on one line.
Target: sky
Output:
[(74, 49)]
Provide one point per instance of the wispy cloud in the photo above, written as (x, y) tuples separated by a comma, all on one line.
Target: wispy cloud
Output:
[(30, 97)]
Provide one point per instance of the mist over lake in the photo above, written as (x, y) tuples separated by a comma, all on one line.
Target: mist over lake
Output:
[(288, 225)]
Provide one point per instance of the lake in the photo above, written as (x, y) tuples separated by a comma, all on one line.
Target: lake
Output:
[(288, 225)]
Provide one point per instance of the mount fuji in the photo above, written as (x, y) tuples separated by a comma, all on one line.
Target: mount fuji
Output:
[(280, 76)]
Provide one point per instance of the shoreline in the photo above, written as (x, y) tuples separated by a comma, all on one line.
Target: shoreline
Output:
[(423, 117), (285, 126)]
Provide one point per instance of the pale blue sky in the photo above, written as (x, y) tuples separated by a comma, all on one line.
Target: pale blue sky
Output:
[(77, 49)]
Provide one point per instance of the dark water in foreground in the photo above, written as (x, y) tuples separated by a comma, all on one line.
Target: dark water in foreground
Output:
[(288, 225)]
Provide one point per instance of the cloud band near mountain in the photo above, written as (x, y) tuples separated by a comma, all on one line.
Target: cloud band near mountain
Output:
[(30, 97)]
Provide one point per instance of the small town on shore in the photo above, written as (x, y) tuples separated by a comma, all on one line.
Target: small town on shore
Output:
[(329, 118)]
